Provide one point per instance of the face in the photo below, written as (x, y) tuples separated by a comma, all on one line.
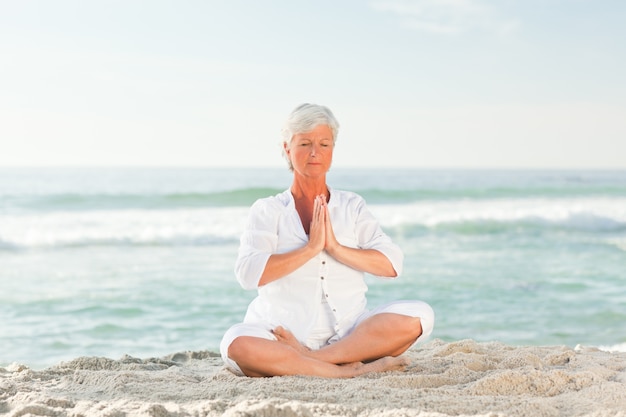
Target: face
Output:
[(311, 153)]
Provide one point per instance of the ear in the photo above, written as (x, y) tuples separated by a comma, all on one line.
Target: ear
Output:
[(286, 148)]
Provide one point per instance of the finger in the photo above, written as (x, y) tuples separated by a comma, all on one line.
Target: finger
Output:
[(319, 208), (278, 331)]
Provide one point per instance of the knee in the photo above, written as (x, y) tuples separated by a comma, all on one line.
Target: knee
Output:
[(238, 348), (414, 327), (421, 325), (408, 327), (409, 330)]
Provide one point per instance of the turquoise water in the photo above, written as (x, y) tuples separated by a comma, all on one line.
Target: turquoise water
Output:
[(139, 261)]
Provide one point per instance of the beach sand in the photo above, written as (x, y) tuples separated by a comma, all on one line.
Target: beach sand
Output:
[(463, 378)]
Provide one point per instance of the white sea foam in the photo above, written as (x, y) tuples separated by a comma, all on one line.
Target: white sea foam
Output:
[(594, 214), (619, 243), (189, 226), (218, 224), (621, 347)]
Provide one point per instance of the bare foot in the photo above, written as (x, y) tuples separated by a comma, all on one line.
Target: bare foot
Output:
[(352, 365), (388, 363), (285, 336)]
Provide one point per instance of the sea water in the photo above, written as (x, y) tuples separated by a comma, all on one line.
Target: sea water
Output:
[(139, 261)]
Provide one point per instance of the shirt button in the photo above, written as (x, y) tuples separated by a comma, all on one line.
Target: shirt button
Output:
[(326, 295), (321, 277), (323, 262)]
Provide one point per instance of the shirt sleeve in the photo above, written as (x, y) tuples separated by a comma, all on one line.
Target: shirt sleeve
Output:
[(258, 242), (371, 236)]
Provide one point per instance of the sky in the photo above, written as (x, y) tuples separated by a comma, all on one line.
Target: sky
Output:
[(413, 83)]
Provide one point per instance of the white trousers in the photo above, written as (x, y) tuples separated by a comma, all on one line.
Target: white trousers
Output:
[(320, 337)]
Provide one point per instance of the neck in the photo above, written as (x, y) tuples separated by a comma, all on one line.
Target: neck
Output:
[(308, 188)]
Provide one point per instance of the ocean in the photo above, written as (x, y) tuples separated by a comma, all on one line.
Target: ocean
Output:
[(139, 261)]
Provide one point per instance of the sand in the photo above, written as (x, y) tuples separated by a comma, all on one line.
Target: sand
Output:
[(463, 378)]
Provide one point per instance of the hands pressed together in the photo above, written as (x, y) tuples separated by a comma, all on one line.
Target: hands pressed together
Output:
[(321, 234)]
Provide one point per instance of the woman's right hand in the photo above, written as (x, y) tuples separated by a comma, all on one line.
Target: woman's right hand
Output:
[(317, 231)]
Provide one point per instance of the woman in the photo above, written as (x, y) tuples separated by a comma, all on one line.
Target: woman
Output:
[(306, 250)]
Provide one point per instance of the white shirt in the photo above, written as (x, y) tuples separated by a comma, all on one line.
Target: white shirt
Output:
[(293, 301)]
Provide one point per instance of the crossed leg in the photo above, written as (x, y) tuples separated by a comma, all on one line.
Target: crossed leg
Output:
[(373, 346), (384, 334)]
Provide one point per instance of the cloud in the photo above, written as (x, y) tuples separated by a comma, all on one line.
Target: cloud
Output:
[(447, 17)]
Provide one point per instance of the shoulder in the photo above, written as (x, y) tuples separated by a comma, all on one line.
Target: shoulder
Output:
[(276, 202), (265, 213), (343, 197)]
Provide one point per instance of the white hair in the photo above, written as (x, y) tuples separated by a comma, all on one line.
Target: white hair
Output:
[(305, 118)]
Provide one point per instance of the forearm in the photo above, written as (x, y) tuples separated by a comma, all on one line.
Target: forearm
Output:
[(365, 260), (281, 264)]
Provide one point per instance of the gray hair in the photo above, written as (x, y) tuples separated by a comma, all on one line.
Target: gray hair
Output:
[(305, 118)]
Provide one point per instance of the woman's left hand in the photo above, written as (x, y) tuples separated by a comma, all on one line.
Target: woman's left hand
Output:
[(331, 241)]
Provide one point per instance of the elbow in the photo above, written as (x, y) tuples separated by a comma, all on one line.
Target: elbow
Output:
[(391, 274), (246, 279), (389, 264), (249, 270), (387, 273), (394, 271), (246, 285)]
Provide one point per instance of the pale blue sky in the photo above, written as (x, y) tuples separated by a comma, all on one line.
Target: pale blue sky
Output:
[(419, 83)]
